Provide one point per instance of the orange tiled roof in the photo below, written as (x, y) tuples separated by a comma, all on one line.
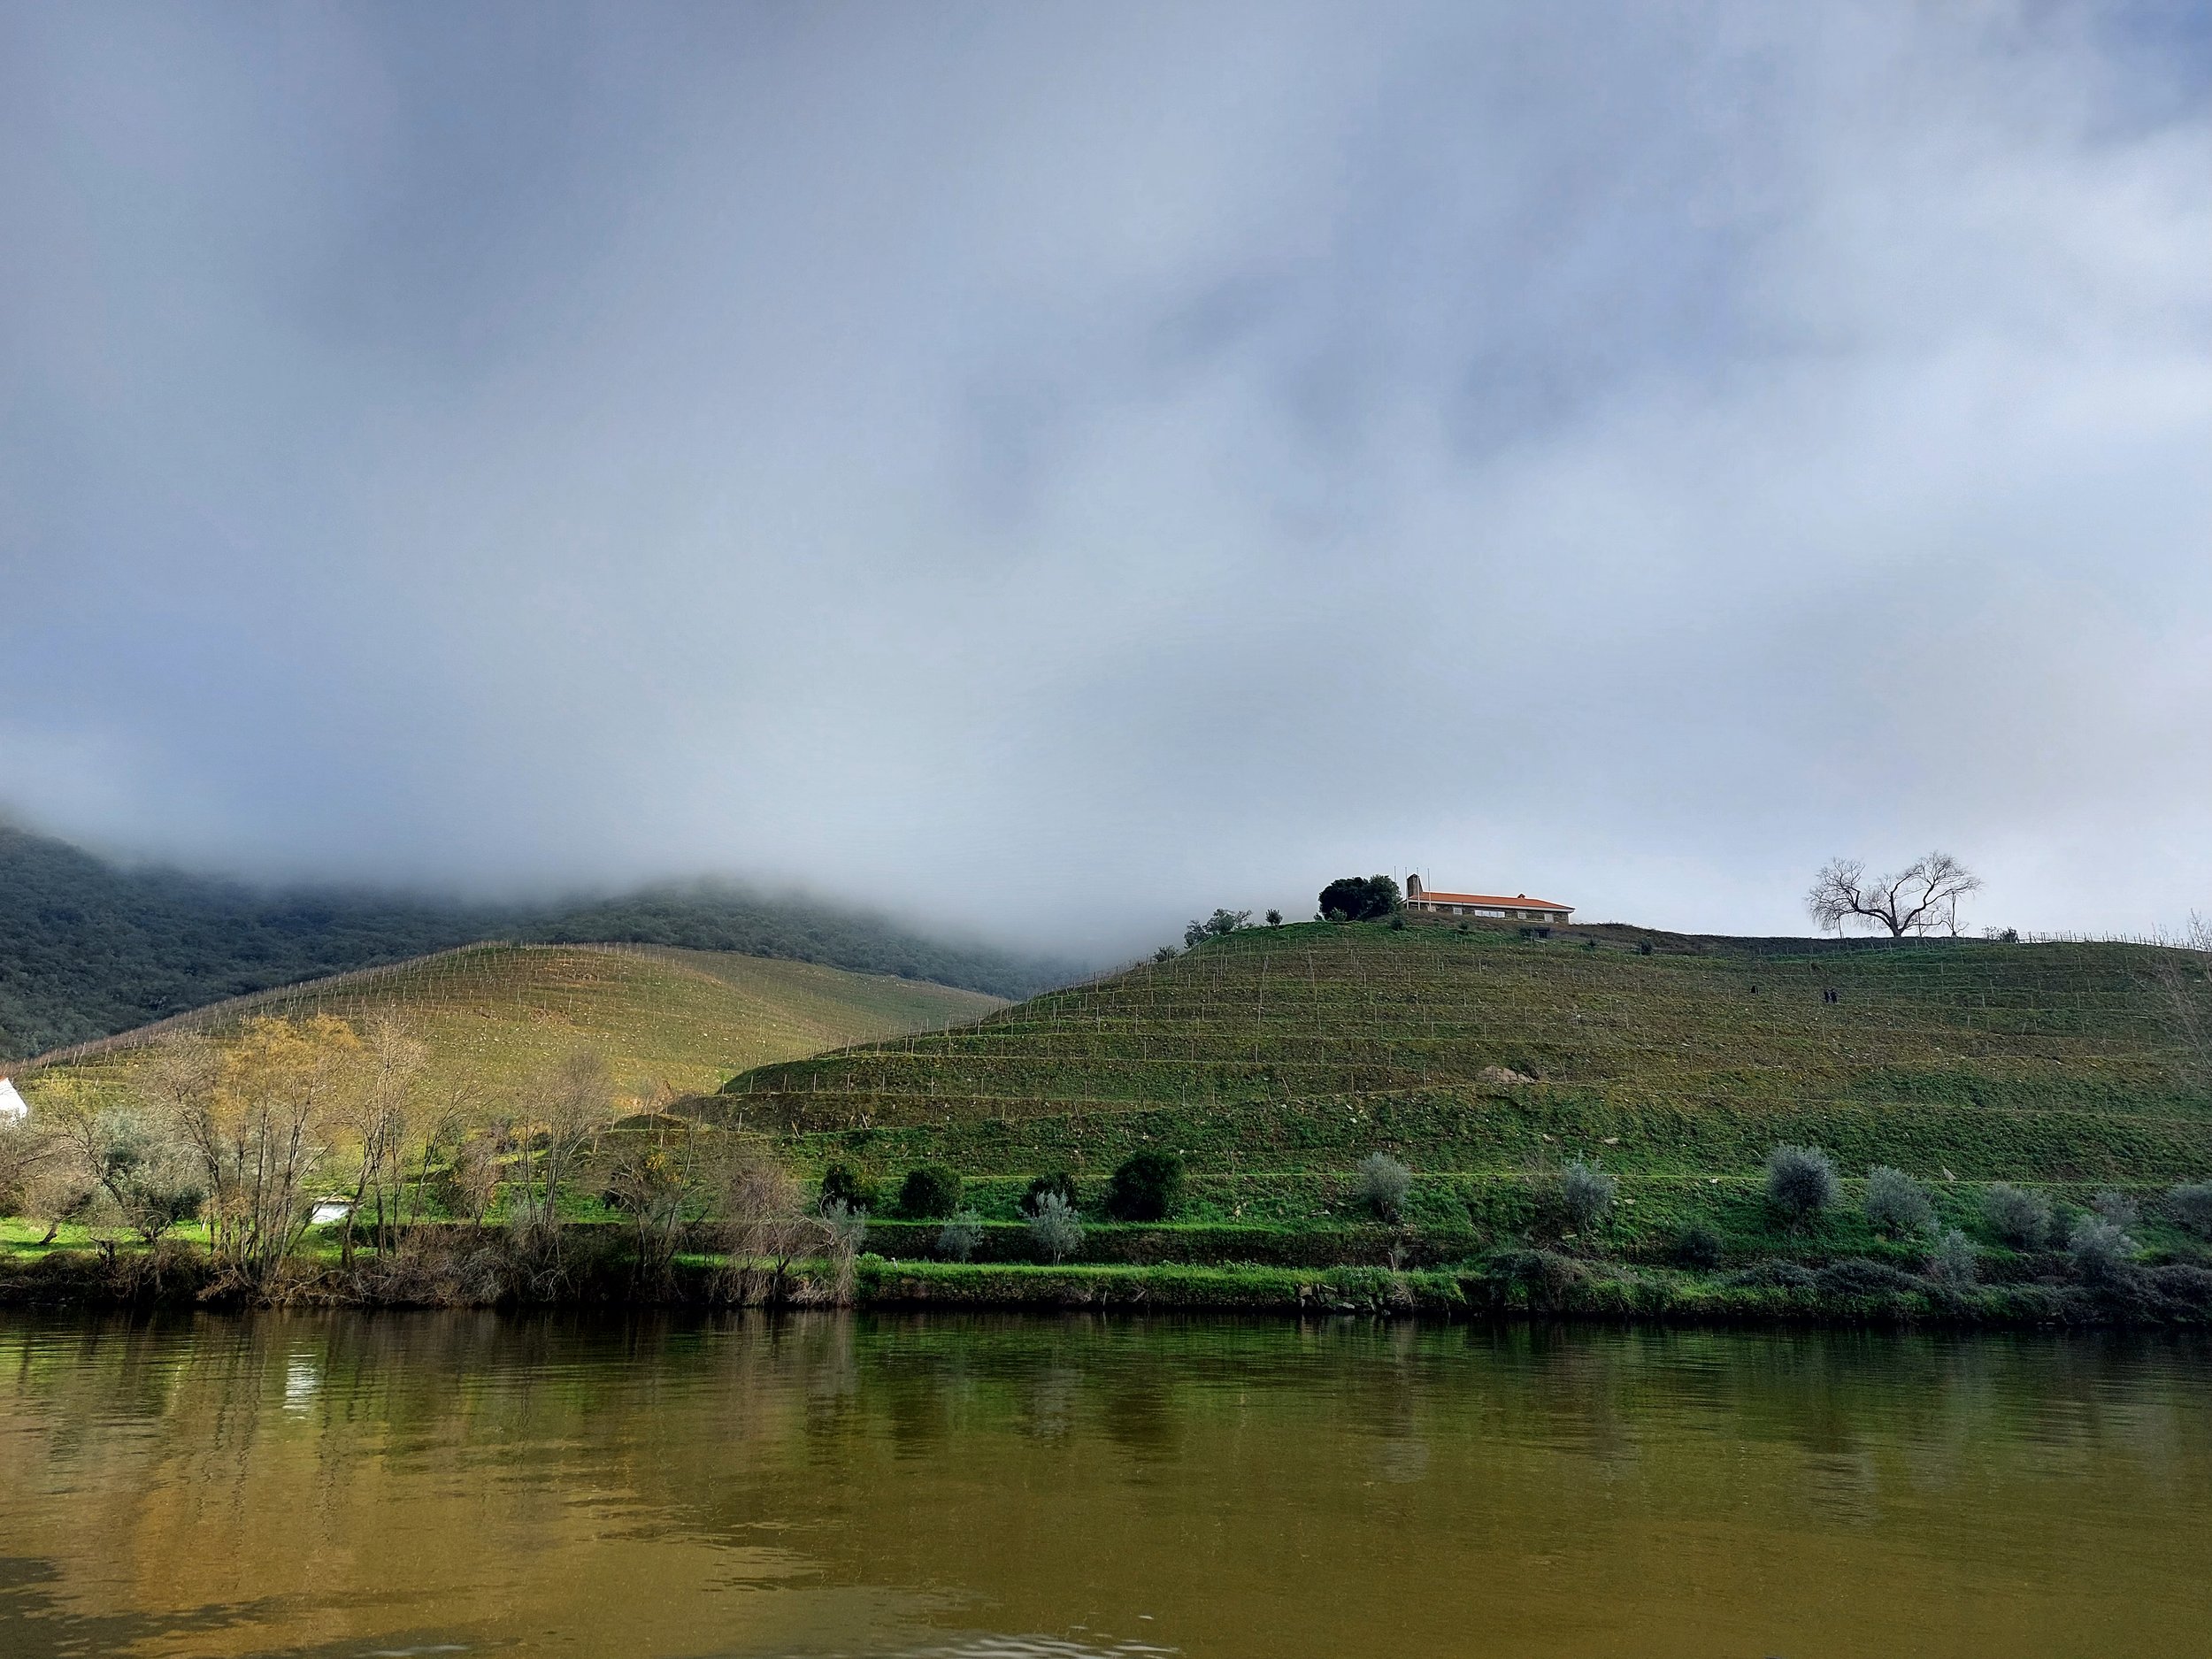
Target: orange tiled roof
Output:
[(1519, 901)]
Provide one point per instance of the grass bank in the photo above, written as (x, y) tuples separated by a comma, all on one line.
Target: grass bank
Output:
[(599, 1264)]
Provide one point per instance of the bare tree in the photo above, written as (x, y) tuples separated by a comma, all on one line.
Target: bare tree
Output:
[(381, 1116), (2183, 973), (1920, 898), (474, 1168), (261, 1123), (768, 1227), (567, 1106), (37, 1180), (657, 1184), (56, 1192), (446, 1120), (24, 1145)]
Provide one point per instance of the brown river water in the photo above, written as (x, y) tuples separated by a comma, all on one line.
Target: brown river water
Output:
[(424, 1484)]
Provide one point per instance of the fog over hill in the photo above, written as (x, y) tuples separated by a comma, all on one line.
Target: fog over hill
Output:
[(1057, 468), (89, 949)]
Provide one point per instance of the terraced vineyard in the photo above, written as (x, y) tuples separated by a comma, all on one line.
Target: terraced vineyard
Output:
[(668, 1020), (1275, 1059)]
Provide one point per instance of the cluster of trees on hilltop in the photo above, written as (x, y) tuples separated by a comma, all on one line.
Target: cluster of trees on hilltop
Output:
[(87, 948)]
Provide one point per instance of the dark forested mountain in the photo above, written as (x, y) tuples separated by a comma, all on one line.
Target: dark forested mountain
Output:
[(87, 948)]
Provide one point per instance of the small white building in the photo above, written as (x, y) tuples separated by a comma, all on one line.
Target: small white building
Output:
[(12, 1108)]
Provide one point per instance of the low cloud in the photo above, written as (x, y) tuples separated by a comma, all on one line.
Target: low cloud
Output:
[(1056, 469)]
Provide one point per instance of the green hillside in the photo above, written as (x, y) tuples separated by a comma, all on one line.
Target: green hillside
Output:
[(1275, 1059), (89, 949), (669, 1021)]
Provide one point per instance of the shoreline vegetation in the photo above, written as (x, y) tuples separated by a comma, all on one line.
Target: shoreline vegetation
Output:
[(1505, 1285), (813, 1261), (1400, 1117)]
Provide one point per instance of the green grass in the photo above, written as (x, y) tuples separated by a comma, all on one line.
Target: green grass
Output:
[(669, 1021), (1274, 1060)]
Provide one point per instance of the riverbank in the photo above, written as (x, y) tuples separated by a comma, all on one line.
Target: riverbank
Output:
[(596, 1268)]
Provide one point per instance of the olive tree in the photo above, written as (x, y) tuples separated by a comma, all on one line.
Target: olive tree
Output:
[(1587, 1193), (1801, 1181), (2021, 1218), (1897, 1205), (956, 1240), (2190, 1206), (1384, 1184), (142, 1177), (2101, 1252), (1951, 1260), (1055, 1228)]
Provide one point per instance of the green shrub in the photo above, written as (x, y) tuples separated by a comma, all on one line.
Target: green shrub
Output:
[(1856, 1277), (1587, 1193), (2017, 1217), (847, 1225), (1054, 1228), (930, 1190), (2191, 1207), (1147, 1188), (843, 1184), (2117, 1207), (1384, 1183), (1360, 898), (1698, 1245), (2184, 1282), (1772, 1275), (1059, 1182), (956, 1240), (1897, 1206), (1220, 925), (1546, 1277), (1801, 1181), (2101, 1253), (1951, 1260)]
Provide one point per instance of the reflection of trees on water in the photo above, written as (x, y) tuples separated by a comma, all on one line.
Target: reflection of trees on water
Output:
[(842, 1448), (1052, 1398)]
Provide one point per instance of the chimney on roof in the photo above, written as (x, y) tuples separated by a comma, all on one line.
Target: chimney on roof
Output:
[(1413, 886)]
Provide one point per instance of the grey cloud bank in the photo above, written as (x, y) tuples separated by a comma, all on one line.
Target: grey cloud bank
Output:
[(1059, 468)]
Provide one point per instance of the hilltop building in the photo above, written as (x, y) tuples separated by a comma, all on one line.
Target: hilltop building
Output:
[(1519, 908)]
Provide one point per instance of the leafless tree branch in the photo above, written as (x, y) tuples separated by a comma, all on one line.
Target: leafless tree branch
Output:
[(1918, 899)]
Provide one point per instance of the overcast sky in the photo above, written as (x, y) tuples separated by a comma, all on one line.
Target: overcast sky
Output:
[(1058, 468)]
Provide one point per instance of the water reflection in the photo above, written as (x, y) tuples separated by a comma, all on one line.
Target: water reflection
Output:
[(840, 1484)]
